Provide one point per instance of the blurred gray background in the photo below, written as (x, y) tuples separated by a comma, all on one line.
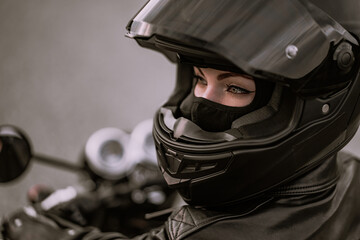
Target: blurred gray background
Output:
[(66, 70)]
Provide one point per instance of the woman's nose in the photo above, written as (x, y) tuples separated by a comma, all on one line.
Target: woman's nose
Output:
[(212, 93)]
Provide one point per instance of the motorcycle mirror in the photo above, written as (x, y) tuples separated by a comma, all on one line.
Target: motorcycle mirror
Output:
[(15, 153)]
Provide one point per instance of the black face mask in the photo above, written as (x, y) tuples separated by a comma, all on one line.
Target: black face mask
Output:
[(215, 117)]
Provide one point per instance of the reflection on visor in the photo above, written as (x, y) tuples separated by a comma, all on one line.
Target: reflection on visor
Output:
[(283, 38)]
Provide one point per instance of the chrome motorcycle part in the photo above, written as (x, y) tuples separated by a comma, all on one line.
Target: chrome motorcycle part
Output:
[(106, 153)]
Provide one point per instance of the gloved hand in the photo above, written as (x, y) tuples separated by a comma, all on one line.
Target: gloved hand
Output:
[(65, 203), (27, 224), (38, 193)]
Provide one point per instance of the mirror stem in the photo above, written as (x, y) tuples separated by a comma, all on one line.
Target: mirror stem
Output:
[(55, 162)]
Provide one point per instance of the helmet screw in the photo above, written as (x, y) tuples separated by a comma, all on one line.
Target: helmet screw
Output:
[(325, 108), (344, 56), (291, 51)]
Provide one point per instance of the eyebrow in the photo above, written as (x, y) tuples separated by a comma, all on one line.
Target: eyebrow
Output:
[(224, 75)]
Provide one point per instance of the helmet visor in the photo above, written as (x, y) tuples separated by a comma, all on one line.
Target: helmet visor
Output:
[(283, 39)]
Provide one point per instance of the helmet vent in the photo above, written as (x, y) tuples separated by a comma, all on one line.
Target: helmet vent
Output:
[(197, 167)]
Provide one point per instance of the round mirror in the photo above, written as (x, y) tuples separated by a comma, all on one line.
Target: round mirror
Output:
[(15, 153)]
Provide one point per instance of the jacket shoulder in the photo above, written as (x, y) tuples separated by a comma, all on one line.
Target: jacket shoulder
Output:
[(189, 219)]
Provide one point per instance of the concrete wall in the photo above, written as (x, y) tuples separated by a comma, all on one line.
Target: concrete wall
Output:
[(66, 70)]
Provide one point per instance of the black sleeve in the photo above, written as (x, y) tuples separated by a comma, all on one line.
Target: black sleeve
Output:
[(95, 234)]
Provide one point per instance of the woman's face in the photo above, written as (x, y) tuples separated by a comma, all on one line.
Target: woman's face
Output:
[(226, 88)]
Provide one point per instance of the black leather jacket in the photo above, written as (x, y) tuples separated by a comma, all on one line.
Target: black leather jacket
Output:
[(323, 204)]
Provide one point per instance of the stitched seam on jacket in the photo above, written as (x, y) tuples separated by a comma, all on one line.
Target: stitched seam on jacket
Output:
[(218, 218)]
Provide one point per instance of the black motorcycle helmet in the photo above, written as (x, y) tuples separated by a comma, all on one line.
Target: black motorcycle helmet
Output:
[(314, 109)]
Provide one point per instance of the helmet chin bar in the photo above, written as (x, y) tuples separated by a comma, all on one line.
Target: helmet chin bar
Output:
[(183, 128), (196, 157)]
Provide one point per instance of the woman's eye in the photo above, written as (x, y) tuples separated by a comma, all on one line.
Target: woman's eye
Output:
[(200, 80), (238, 90)]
